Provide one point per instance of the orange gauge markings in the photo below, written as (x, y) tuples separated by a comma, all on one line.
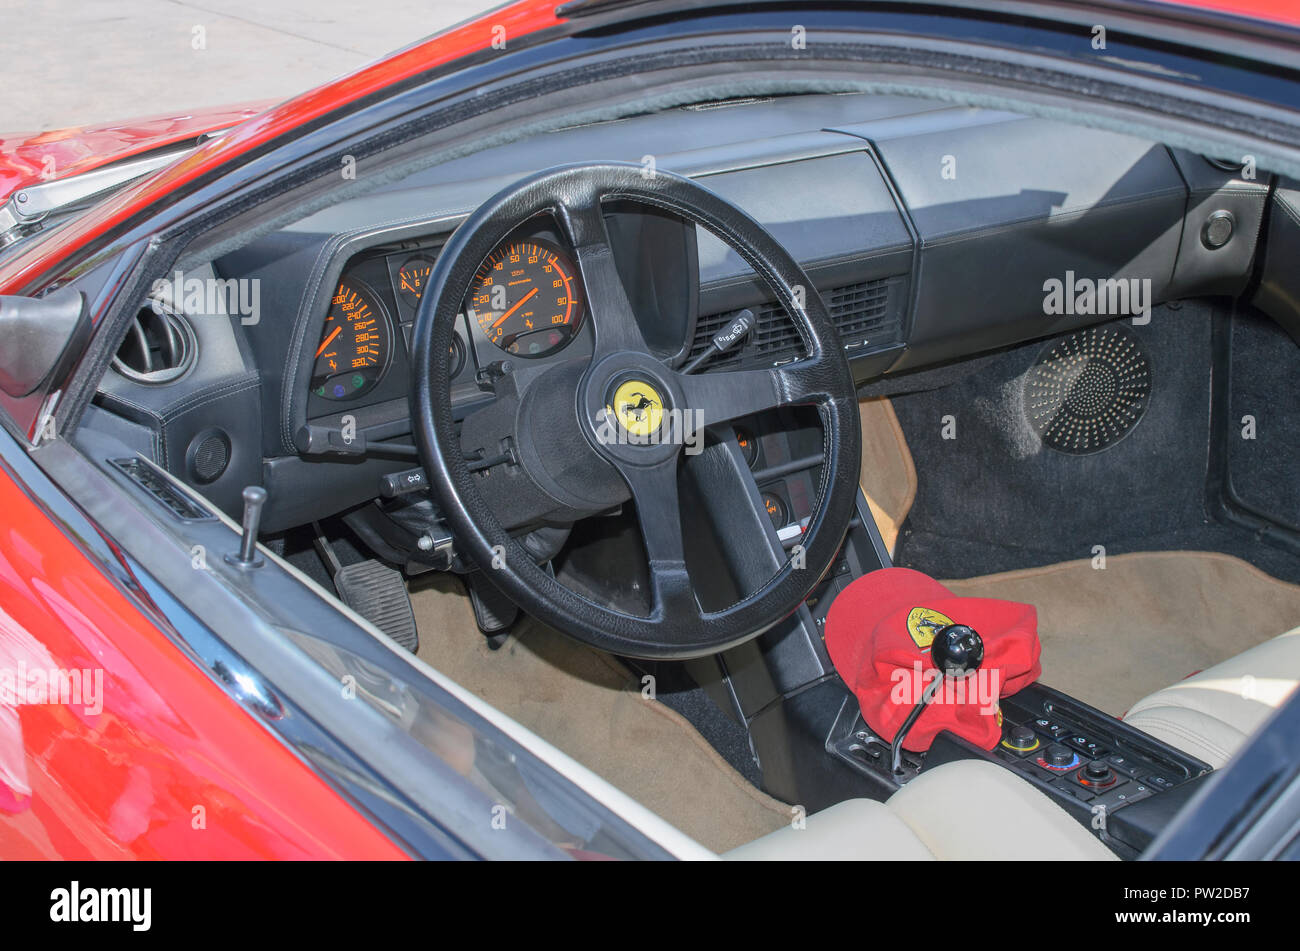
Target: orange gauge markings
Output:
[(525, 298)]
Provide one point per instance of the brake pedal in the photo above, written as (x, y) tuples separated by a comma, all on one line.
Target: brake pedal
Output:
[(379, 595)]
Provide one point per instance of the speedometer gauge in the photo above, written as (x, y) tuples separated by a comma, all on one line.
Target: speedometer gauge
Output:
[(355, 346), (526, 300)]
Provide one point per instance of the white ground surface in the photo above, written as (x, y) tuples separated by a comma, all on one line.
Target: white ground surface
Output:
[(84, 62)]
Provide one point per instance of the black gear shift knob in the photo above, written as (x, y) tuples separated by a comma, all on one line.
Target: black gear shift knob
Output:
[(957, 650)]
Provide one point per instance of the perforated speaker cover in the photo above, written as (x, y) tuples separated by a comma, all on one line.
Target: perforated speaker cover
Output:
[(1088, 390), (208, 455)]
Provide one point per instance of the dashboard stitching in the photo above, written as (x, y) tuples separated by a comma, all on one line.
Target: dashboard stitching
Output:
[(228, 389), (194, 400)]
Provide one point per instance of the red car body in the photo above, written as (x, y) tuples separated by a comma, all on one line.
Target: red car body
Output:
[(172, 767)]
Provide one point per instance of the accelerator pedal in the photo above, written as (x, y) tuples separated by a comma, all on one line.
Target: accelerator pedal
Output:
[(379, 595), (494, 613)]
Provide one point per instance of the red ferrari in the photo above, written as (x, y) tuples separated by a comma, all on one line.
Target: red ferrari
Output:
[(664, 429)]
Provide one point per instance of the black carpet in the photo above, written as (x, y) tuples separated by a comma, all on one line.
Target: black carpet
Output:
[(675, 688), (1265, 404), (995, 499)]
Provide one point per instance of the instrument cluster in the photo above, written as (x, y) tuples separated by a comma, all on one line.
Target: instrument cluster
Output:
[(526, 300)]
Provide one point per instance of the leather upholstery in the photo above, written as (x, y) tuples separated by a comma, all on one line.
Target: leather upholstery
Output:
[(1210, 714), (965, 810)]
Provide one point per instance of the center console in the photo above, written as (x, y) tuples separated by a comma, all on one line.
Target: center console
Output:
[(1096, 767)]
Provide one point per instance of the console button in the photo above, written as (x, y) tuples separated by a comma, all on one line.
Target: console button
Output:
[(1092, 747), (1021, 739), (1099, 776), (1099, 772), (1123, 764), (1131, 792), (1158, 782), (1058, 759), (1051, 727)]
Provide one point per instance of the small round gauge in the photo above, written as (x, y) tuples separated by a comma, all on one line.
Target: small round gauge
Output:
[(776, 509), (526, 300), (457, 357), (412, 277), (355, 346), (748, 445)]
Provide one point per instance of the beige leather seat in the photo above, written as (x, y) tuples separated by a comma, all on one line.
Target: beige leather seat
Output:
[(963, 810), (1211, 714)]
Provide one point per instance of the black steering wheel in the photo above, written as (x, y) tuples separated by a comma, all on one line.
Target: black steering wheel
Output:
[(572, 457)]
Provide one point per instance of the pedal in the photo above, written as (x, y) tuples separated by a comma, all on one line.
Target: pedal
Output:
[(494, 613), (379, 595)]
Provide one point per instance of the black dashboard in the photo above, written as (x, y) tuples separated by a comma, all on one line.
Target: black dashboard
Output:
[(901, 211)]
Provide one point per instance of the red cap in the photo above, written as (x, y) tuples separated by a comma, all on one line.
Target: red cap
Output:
[(878, 633)]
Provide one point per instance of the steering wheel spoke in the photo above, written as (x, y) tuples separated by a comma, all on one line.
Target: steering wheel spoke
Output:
[(658, 510), (614, 320), (723, 397)]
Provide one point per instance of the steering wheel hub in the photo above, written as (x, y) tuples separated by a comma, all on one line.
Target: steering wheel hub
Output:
[(633, 409)]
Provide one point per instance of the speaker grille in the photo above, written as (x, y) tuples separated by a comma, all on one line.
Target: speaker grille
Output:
[(1088, 390), (209, 454)]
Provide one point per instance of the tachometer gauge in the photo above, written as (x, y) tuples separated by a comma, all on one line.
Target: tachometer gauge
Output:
[(412, 278), (356, 345), (526, 300)]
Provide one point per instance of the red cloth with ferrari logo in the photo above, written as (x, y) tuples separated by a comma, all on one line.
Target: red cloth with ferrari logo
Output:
[(878, 633)]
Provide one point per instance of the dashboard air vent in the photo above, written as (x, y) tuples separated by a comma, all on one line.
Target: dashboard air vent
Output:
[(160, 489), (160, 346), (867, 315)]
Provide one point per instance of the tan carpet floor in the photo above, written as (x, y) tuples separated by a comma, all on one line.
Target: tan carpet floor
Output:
[(1149, 619), (888, 476), (591, 707)]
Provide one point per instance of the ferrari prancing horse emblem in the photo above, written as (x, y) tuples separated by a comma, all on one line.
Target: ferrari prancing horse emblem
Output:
[(638, 407), (923, 624)]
